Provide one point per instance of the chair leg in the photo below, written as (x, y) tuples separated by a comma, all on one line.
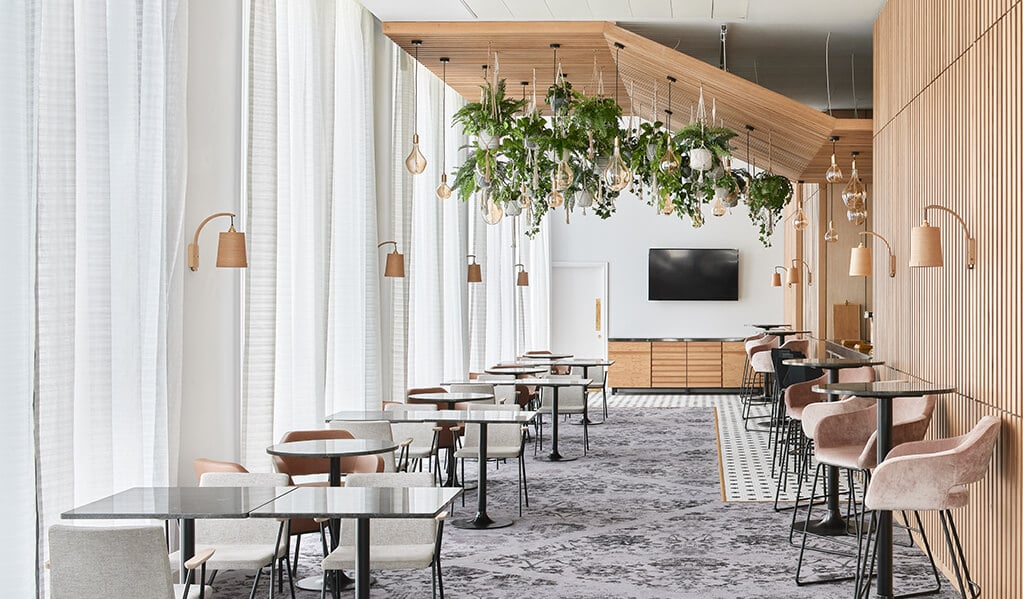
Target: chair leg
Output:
[(298, 544), (955, 550), (604, 392), (291, 579), (255, 583), (440, 577)]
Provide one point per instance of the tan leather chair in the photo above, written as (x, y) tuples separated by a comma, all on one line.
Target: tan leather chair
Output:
[(204, 465)]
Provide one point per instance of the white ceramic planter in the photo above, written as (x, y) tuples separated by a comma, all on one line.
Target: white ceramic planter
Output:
[(701, 159), (488, 141)]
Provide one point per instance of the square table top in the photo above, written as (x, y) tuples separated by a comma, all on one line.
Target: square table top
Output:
[(472, 416), (168, 503), (557, 382), (354, 502)]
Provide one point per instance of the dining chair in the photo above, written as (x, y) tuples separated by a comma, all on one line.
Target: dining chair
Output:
[(98, 562), (379, 430), (933, 475), (504, 442), (249, 544), (395, 543), (319, 468), (503, 394), (571, 400), (423, 434), (759, 379), (204, 465)]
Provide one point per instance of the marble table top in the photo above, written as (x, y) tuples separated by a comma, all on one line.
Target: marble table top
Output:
[(168, 503), (355, 502)]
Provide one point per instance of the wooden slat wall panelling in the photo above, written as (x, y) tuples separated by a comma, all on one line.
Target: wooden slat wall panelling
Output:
[(631, 366), (733, 359), (947, 131), (668, 364), (703, 363)]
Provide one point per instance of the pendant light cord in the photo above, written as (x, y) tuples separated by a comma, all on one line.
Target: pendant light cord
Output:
[(415, 92), (827, 69), (443, 114)]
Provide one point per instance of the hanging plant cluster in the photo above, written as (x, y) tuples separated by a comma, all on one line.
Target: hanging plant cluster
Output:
[(520, 162)]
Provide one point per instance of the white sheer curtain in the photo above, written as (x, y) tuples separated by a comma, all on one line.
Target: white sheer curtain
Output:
[(311, 330), (92, 117)]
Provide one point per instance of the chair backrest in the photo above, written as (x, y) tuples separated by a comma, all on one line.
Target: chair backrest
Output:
[(92, 562), (786, 375), (392, 531), (421, 433), (973, 454), (911, 417), (754, 337), (498, 435), (569, 398), (445, 439), (863, 374), (204, 465), (758, 345), (815, 412), (246, 531), (295, 466), (503, 394), (372, 429), (475, 388), (798, 345)]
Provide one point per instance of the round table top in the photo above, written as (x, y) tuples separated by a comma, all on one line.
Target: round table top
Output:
[(584, 362), (453, 397), (331, 448), (770, 326), (516, 370), (884, 389), (785, 332), (831, 363), (545, 356), (557, 382)]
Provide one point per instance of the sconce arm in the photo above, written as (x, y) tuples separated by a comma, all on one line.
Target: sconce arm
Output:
[(193, 248), (891, 256), (971, 241)]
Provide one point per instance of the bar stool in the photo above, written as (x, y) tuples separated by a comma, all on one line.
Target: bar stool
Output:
[(756, 378), (933, 475), (746, 343), (848, 441)]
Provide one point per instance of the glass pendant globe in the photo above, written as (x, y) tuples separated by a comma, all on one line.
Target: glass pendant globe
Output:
[(670, 163), (617, 176), (831, 235), (444, 190), (490, 210), (719, 208), (858, 216), (563, 176), (855, 193), (415, 162), (555, 199), (800, 222), (834, 173)]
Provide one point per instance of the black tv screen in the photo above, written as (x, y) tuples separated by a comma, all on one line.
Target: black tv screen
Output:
[(693, 274)]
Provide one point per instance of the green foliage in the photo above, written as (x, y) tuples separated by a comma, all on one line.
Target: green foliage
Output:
[(768, 195)]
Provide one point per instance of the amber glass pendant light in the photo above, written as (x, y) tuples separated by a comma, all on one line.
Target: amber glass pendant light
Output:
[(443, 190), (834, 173), (415, 162)]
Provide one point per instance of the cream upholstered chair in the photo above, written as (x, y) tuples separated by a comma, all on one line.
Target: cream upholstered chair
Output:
[(758, 380), (597, 374), (503, 394), (246, 544), (395, 543), (504, 442), (848, 440), (571, 400), (423, 434), (93, 562), (935, 475)]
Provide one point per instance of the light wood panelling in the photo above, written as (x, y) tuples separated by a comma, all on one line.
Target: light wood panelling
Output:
[(703, 363), (799, 133), (631, 366), (668, 364), (733, 359), (847, 321), (948, 83)]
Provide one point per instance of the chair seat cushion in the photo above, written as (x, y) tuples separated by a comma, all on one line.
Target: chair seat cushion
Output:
[(193, 591), (510, 451), (383, 557), (844, 456), (235, 557)]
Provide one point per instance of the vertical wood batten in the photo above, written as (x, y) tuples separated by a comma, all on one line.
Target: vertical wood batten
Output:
[(948, 132)]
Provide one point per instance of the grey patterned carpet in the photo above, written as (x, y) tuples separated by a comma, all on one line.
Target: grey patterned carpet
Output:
[(640, 516)]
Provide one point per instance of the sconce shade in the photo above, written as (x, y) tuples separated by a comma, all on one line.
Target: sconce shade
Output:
[(395, 266), (861, 261), (475, 273), (522, 280), (792, 275), (231, 250), (776, 279), (925, 246)]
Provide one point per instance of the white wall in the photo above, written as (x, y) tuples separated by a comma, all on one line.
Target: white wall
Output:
[(623, 241), (211, 338)]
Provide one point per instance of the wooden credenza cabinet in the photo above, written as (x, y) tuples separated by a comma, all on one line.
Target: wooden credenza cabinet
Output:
[(675, 364)]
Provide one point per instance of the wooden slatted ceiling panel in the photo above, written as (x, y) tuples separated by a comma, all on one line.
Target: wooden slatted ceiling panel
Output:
[(521, 47), (798, 132), (949, 131)]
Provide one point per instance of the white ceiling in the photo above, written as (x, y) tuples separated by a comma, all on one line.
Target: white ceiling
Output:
[(777, 43)]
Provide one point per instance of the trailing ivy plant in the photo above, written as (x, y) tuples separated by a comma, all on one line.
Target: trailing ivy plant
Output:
[(768, 195)]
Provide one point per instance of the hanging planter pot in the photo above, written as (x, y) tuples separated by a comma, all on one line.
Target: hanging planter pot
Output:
[(584, 199), (488, 141), (512, 208), (701, 159)]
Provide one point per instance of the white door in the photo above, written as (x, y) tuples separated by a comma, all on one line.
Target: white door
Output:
[(579, 309)]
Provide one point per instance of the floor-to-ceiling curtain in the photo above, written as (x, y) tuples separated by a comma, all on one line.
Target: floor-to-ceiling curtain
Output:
[(92, 118), (311, 328)]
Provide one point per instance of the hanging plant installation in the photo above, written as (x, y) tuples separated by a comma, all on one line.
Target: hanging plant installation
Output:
[(522, 163)]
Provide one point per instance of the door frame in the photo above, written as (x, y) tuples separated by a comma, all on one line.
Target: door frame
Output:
[(605, 308)]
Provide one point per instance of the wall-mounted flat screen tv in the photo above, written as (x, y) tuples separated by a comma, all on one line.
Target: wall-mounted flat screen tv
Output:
[(693, 275)]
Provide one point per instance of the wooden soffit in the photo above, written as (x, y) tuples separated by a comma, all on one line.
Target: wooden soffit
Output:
[(791, 137)]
